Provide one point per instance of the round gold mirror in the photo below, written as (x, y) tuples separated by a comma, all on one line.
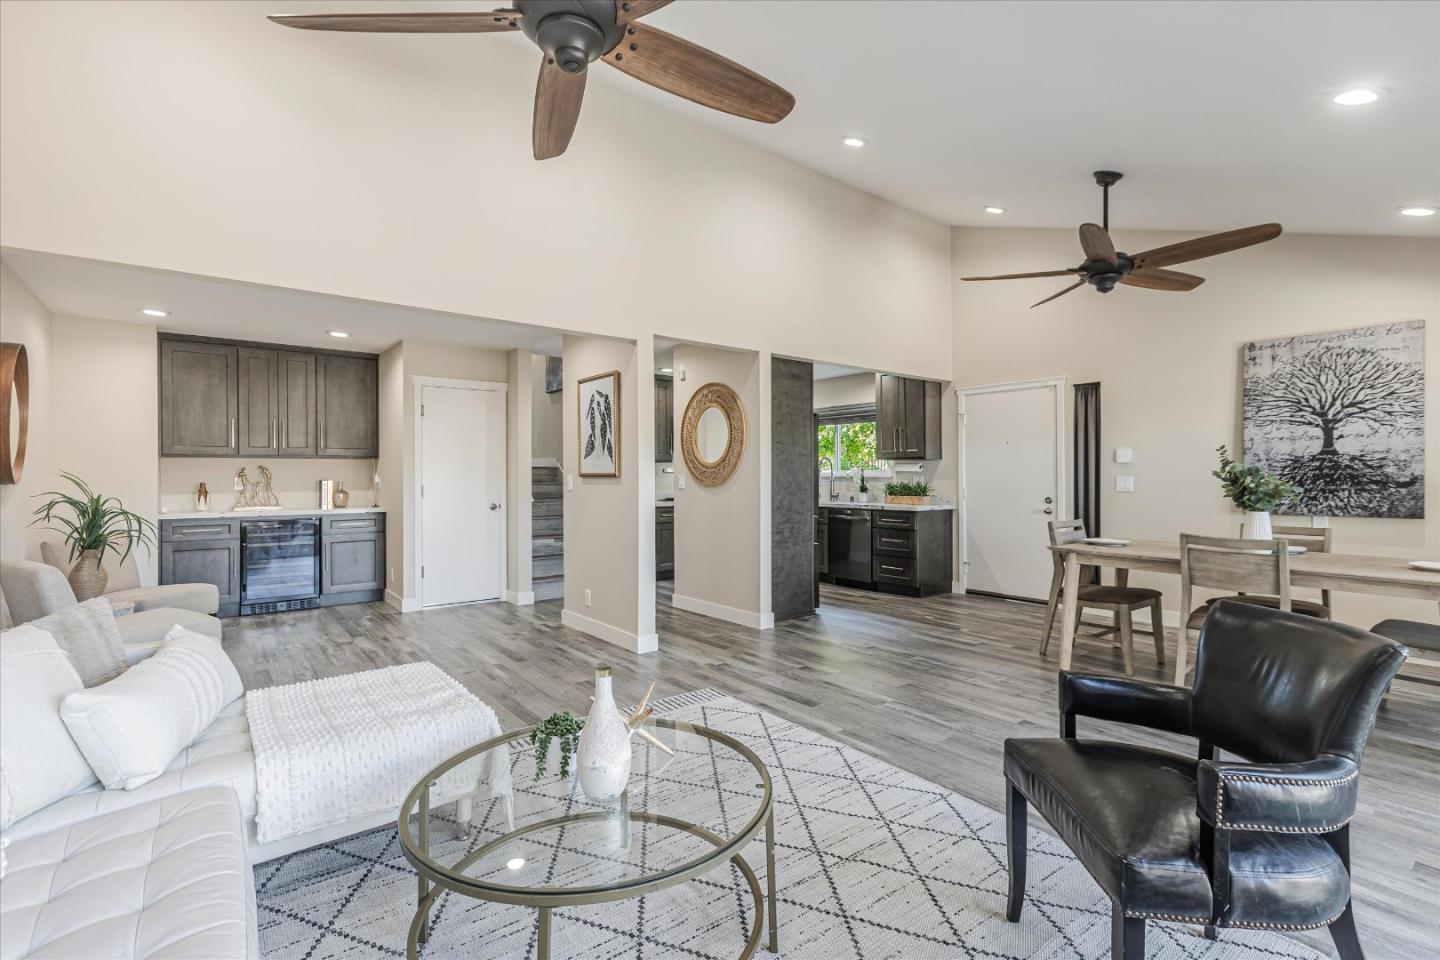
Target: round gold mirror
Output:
[(712, 434)]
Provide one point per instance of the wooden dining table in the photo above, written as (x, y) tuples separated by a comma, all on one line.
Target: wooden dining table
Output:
[(1353, 573)]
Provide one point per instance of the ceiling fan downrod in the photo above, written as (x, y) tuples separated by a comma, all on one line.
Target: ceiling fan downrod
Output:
[(1106, 179)]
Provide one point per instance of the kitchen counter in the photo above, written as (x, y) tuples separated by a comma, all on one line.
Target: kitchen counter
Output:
[(262, 514), (902, 507)]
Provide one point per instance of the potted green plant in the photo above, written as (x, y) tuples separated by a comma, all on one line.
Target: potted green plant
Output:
[(912, 492), (1254, 491), (864, 490), (563, 728), (92, 526)]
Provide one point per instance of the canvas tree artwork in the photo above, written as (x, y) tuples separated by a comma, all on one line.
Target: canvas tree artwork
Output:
[(598, 400), (1342, 416)]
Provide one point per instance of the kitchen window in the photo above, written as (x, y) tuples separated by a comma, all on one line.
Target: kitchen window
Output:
[(855, 442)]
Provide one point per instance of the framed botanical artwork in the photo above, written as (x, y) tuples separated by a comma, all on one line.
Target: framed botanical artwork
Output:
[(597, 414)]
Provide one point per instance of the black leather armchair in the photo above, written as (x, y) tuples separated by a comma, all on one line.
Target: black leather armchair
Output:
[(1261, 843)]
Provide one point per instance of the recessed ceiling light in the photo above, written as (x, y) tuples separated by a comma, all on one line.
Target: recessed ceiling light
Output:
[(338, 333), (1417, 211), (1356, 98), (667, 369), (853, 141), (516, 863), (154, 312), (996, 210)]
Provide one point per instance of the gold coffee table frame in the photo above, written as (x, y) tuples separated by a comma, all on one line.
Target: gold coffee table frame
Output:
[(434, 876)]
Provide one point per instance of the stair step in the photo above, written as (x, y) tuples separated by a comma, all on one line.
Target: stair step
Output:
[(547, 508), (546, 491), (544, 474), (547, 547), (547, 567), (547, 527), (552, 589)]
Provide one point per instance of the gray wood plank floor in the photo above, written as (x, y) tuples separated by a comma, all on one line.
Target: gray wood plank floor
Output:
[(933, 686)]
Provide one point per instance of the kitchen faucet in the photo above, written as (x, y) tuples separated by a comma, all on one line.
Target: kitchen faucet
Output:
[(829, 465)]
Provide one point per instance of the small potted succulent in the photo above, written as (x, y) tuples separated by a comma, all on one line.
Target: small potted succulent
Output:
[(1254, 491), (915, 493), (562, 728)]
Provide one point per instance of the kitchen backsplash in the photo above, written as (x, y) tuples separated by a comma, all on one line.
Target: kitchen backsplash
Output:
[(296, 482)]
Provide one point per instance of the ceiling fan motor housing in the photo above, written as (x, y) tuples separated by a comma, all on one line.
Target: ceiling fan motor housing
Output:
[(573, 33)]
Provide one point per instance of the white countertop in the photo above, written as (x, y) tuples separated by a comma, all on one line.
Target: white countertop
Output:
[(900, 507), (262, 514)]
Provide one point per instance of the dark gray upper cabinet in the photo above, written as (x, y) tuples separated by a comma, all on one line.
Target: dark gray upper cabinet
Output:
[(664, 419), (255, 400), (197, 399), (258, 421), (295, 393), (907, 419), (347, 405)]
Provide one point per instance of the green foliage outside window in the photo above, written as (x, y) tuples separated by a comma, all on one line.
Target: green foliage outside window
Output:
[(857, 446)]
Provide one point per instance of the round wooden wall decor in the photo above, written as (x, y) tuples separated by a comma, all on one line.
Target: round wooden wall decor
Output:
[(14, 390), (710, 460)]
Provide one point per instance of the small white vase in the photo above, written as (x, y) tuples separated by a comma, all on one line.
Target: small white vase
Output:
[(1257, 525), (602, 759), (863, 498)]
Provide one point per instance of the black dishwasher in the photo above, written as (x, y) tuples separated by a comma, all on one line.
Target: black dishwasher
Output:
[(280, 565), (848, 545)]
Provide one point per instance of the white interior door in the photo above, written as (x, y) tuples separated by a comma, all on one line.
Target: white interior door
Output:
[(1011, 488), (462, 494)]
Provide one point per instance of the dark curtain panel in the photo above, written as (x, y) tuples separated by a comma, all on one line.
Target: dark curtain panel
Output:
[(554, 376), (1086, 486)]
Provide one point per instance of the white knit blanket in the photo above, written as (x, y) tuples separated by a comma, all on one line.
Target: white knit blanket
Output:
[(329, 751)]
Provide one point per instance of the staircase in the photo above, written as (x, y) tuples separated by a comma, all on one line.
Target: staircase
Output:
[(547, 533)]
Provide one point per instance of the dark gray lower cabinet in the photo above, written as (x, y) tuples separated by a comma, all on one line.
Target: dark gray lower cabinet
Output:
[(352, 558), (665, 543), (203, 551), (909, 551)]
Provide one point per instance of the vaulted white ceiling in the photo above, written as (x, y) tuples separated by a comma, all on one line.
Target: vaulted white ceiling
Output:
[(1219, 113)]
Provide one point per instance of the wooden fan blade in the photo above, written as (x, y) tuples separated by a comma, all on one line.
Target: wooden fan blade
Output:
[(680, 67), (492, 21), (627, 10), (1202, 247), (1024, 276), (557, 107), (1154, 279), (1097, 244), (1060, 294)]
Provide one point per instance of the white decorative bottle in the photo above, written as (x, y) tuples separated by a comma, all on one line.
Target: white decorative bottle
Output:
[(603, 758)]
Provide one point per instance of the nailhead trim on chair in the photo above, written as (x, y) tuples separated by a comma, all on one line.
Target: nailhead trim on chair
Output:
[(1281, 781), (1238, 923)]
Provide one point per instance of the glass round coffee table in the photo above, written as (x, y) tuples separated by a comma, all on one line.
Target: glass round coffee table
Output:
[(543, 844)]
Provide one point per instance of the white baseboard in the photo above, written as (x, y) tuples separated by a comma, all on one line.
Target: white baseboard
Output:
[(403, 604), (956, 586), (521, 598), (745, 618), (545, 462), (635, 643)]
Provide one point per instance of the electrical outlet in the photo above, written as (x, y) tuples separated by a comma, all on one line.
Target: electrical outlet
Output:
[(392, 575), (587, 596), (1124, 484)]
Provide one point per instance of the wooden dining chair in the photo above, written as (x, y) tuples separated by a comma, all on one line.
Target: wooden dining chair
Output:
[(1122, 600), (1258, 571)]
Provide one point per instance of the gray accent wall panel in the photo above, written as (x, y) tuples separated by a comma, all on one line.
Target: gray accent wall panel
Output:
[(792, 489)]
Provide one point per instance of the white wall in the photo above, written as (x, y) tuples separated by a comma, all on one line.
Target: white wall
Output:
[(519, 415), (398, 169), (24, 319), (545, 409), (610, 521), (296, 482), (1169, 367), (105, 426), (840, 391), (720, 531)]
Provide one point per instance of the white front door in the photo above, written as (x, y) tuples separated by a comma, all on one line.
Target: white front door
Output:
[(462, 494), (1011, 479)]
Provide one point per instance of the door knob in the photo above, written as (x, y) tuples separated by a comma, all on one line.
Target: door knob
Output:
[(1049, 499), (1047, 511), (494, 506)]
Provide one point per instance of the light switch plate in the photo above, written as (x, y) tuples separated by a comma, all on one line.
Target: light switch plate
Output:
[(1124, 455), (569, 481), (587, 596), (680, 481), (1124, 484)]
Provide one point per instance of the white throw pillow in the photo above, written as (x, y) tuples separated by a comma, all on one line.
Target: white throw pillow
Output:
[(39, 762), (87, 632), (131, 728)]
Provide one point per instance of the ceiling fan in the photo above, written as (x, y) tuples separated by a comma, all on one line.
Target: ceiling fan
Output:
[(573, 34), (1104, 266)]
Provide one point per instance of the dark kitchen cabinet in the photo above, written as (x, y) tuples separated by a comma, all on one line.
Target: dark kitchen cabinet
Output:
[(351, 562), (664, 543), (907, 418), (664, 419), (295, 403), (203, 551), (198, 399), (347, 406), (258, 421)]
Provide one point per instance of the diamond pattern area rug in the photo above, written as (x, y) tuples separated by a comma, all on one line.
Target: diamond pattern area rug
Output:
[(872, 863)]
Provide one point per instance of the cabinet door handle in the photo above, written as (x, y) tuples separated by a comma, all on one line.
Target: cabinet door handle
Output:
[(275, 435), (888, 567), (284, 433), (322, 434), (187, 531), (232, 432)]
